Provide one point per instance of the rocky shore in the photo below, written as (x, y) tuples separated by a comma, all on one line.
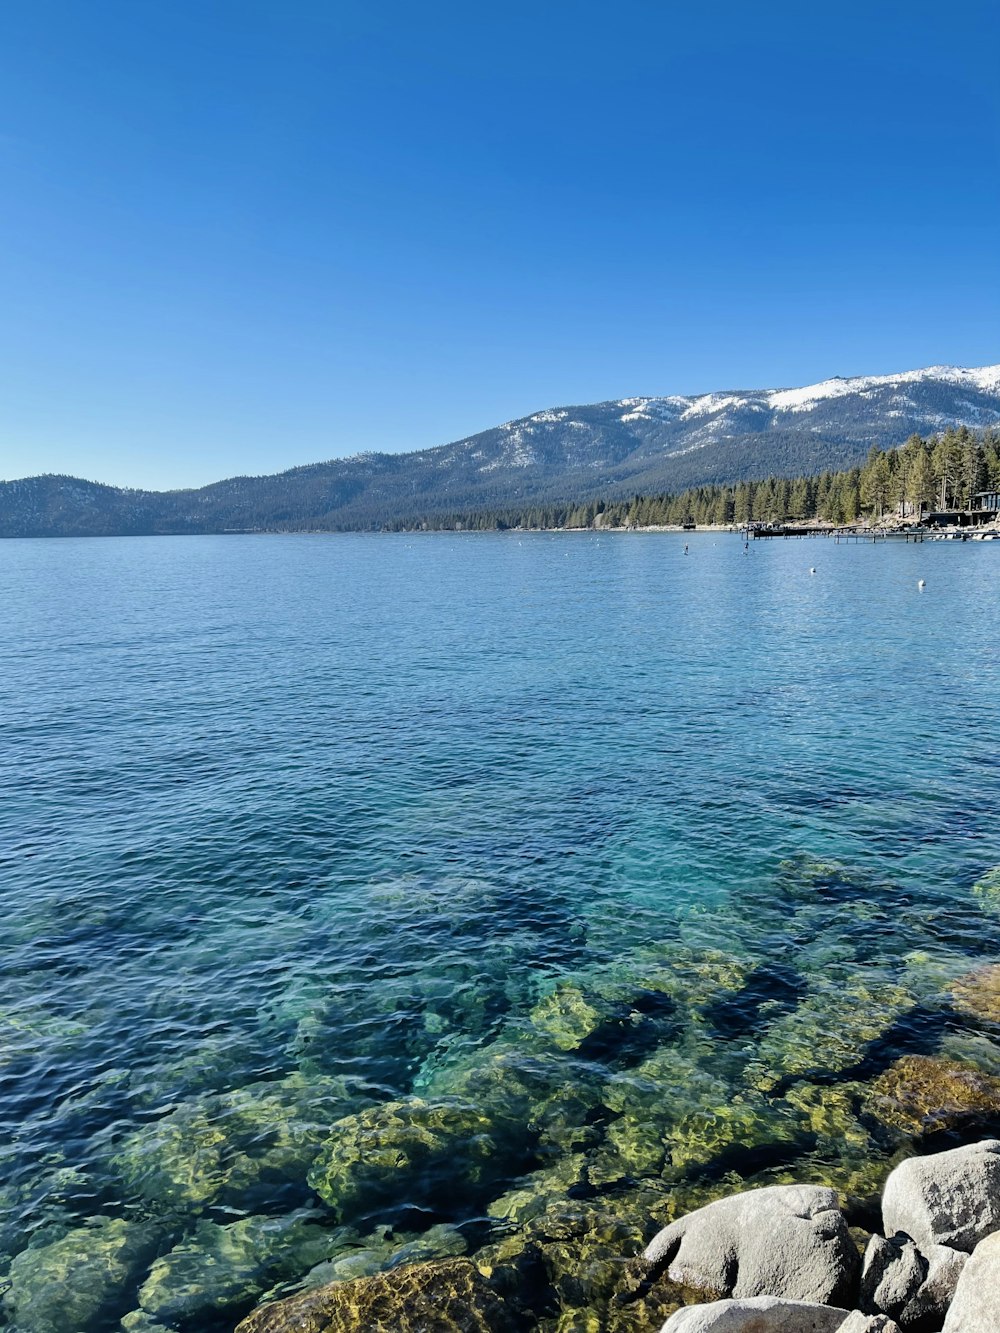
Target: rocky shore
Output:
[(781, 1259)]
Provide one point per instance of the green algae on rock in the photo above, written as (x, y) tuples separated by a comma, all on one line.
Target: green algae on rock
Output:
[(218, 1269), (416, 1152), (442, 1296), (923, 1093), (228, 1147), (566, 1016), (830, 1112), (581, 1257), (380, 1250), (978, 993), (987, 889), (743, 1125), (831, 1030), (518, 1087), (27, 1029), (86, 1276)]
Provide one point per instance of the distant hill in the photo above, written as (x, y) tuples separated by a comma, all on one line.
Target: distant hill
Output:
[(614, 448)]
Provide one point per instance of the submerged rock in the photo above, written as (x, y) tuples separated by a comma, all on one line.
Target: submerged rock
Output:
[(757, 1314), (987, 889), (89, 1275), (525, 1093), (701, 979), (789, 1241), (830, 1112), (615, 1025), (219, 1269), (948, 1198), (743, 1124), (830, 1031), (580, 1258), (227, 1148), (383, 1249), (978, 993), (677, 1115), (419, 1153), (923, 1093), (28, 1029), (566, 1016), (444, 1296)]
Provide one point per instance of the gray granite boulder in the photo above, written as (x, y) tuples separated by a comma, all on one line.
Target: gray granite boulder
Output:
[(928, 1307), (856, 1322), (949, 1198), (913, 1287), (789, 1241), (976, 1305), (756, 1314), (894, 1271)]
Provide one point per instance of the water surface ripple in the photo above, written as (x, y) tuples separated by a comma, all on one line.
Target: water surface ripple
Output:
[(297, 828)]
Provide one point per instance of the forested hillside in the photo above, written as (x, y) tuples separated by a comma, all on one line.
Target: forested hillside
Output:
[(552, 459), (945, 471)]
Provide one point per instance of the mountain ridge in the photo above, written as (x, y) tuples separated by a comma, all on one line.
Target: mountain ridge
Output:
[(619, 446)]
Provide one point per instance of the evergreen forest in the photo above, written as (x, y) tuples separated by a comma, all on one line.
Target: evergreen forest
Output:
[(943, 472)]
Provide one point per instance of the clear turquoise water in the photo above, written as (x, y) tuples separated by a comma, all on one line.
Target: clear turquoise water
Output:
[(343, 809)]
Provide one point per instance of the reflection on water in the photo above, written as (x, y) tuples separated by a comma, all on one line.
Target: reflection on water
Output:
[(374, 899)]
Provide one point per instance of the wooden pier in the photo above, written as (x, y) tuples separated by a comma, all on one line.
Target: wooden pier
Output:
[(762, 531)]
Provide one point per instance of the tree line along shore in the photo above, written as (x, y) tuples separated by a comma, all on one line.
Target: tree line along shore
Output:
[(944, 471)]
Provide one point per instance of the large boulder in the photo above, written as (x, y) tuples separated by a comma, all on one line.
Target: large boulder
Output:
[(893, 1273), (444, 1296), (789, 1241), (976, 1305), (756, 1314), (949, 1198), (914, 1287), (928, 1307)]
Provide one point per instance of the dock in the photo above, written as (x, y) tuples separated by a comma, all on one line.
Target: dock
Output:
[(764, 531)]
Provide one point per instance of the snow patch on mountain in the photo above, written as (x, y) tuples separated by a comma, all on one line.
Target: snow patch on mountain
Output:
[(714, 402), (985, 378)]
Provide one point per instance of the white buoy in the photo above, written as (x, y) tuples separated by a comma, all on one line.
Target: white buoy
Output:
[(812, 569), (921, 583)]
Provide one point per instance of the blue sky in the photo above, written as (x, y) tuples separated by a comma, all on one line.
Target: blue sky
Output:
[(236, 236)]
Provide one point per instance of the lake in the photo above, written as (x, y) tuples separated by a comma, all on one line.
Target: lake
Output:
[(574, 879)]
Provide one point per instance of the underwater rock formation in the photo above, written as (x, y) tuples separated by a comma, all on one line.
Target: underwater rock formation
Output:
[(978, 993), (831, 1030), (443, 1296), (922, 1093), (231, 1147), (440, 1151), (222, 1268), (90, 1271), (987, 889)]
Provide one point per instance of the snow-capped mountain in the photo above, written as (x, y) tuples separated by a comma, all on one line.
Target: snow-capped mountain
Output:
[(611, 448)]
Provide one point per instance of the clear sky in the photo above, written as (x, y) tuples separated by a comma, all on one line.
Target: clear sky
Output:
[(238, 235)]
